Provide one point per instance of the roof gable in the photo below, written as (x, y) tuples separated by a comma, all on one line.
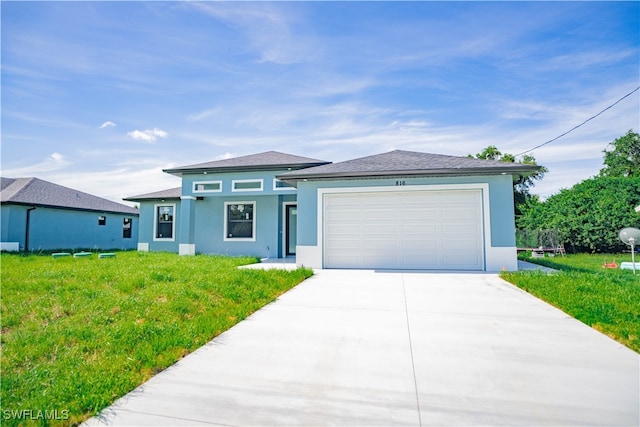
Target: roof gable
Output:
[(34, 191), (401, 162), (268, 160)]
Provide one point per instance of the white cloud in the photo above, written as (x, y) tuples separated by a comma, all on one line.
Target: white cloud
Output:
[(277, 34), (107, 124), (149, 135), (117, 183), (55, 161)]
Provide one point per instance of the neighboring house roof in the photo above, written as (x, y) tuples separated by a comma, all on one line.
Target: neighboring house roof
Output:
[(408, 163), (36, 192), (171, 193), (268, 160)]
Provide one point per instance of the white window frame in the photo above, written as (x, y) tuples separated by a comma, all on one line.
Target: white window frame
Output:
[(155, 223), (196, 191), (276, 188), (226, 222), (236, 190)]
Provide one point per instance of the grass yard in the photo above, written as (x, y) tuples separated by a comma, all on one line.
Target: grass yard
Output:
[(78, 333), (605, 299)]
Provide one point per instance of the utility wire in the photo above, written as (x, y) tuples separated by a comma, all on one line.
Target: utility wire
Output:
[(576, 127)]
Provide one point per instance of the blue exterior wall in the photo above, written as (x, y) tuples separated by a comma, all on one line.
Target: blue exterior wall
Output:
[(52, 228), (500, 201), (147, 218), (268, 214), (208, 212)]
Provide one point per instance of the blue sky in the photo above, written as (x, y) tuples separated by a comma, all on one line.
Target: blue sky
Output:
[(101, 96)]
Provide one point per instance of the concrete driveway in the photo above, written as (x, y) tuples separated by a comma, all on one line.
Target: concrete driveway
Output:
[(365, 348)]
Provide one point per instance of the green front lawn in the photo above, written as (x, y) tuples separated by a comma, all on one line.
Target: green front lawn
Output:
[(78, 333), (605, 299)]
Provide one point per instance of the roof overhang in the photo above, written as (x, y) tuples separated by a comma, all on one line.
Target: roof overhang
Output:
[(134, 211), (231, 169), (513, 170)]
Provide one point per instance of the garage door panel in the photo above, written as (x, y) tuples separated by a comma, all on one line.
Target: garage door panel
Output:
[(460, 214), (409, 229), (387, 248), (455, 230), (460, 262), (460, 246), (420, 215), (422, 230), (423, 246)]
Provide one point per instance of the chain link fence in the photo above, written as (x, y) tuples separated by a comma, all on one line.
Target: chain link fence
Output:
[(538, 238)]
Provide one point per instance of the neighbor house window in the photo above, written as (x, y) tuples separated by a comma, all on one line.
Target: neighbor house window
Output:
[(102, 220), (246, 185), (165, 222), (126, 228), (239, 220), (281, 185), (207, 186)]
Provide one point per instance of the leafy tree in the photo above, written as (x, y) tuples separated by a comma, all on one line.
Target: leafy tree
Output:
[(522, 184), (589, 215), (624, 159)]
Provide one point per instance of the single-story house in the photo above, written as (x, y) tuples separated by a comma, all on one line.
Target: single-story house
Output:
[(40, 215), (397, 210)]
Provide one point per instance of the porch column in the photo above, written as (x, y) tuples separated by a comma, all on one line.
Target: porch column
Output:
[(187, 244)]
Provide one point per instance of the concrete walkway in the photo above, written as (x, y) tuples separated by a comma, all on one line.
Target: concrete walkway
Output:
[(365, 348)]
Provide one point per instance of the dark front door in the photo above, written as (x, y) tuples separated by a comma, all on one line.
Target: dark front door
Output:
[(291, 229)]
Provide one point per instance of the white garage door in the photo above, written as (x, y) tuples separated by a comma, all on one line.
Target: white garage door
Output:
[(433, 230)]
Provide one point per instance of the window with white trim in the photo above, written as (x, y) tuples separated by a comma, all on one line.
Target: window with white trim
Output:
[(207, 186), (164, 224), (247, 185), (279, 185), (239, 221)]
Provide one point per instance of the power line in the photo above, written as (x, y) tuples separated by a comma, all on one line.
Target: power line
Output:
[(576, 127)]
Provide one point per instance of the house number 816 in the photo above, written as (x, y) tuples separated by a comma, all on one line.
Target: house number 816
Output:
[(401, 182)]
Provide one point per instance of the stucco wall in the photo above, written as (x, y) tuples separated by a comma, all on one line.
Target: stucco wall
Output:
[(52, 228), (208, 213), (500, 245), (500, 199), (147, 217)]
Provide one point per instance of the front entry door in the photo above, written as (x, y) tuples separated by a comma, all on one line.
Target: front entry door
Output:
[(291, 229)]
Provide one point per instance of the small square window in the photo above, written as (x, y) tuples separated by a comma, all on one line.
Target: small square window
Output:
[(102, 220)]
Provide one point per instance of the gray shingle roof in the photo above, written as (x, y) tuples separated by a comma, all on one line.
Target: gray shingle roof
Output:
[(406, 163), (171, 193), (262, 161), (37, 192)]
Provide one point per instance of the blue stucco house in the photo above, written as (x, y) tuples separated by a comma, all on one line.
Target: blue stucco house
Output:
[(234, 206), (40, 215), (397, 210)]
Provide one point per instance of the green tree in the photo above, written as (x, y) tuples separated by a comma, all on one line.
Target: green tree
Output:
[(589, 215), (522, 184), (624, 158)]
